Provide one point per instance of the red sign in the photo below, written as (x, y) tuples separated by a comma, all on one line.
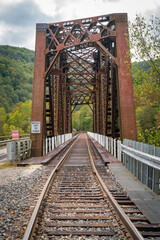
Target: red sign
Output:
[(15, 134)]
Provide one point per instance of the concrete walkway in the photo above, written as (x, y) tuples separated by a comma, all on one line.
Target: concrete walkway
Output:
[(146, 200)]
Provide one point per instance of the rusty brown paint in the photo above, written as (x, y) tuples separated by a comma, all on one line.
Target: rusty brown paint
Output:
[(38, 93), (127, 109)]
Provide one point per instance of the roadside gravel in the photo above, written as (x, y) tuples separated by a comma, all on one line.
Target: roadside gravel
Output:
[(19, 191)]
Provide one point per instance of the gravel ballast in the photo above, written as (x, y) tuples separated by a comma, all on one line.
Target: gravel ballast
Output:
[(19, 191)]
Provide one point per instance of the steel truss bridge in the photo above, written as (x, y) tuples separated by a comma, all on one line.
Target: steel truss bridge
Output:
[(78, 62)]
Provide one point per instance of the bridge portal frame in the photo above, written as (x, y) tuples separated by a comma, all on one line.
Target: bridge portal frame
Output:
[(125, 86)]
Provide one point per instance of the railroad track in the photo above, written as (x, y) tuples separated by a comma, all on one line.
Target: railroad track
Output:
[(76, 203)]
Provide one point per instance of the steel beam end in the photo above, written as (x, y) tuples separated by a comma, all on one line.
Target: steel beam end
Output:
[(41, 26)]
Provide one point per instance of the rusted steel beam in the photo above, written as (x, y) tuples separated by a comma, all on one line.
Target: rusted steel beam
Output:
[(107, 52), (38, 92), (79, 83), (127, 109), (78, 73), (77, 91), (51, 64)]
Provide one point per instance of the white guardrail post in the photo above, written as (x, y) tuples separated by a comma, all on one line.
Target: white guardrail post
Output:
[(112, 146), (46, 145), (119, 150), (49, 143), (115, 147), (106, 143), (52, 142)]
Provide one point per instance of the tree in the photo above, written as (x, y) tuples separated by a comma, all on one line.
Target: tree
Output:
[(19, 119), (2, 119), (16, 74), (145, 48), (145, 42), (82, 119)]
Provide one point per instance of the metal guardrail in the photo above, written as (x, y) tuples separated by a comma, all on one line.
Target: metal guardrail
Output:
[(53, 142), (3, 143), (112, 145), (142, 157), (4, 138), (145, 166), (18, 150)]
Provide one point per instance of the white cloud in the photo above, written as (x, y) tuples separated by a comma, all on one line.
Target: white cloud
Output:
[(8, 2), (18, 18), (18, 23), (47, 7)]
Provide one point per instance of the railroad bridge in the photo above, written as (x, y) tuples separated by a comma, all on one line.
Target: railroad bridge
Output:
[(84, 61), (90, 181)]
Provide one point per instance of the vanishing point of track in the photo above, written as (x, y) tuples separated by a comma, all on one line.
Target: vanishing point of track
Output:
[(75, 202)]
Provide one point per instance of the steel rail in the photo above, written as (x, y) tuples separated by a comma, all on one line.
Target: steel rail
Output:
[(130, 226), (33, 220)]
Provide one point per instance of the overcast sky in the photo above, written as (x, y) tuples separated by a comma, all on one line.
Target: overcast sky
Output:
[(18, 18)]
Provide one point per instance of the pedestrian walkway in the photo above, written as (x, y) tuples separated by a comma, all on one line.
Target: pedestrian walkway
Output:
[(146, 200)]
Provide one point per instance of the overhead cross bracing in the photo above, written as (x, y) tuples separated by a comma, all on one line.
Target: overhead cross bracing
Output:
[(81, 77), (77, 54), (84, 63)]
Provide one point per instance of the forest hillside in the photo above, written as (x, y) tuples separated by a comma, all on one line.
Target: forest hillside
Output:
[(16, 76)]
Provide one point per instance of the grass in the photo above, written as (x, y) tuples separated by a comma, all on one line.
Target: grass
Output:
[(5, 165), (8, 164)]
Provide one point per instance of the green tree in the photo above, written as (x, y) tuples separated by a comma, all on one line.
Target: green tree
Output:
[(82, 119), (16, 74), (145, 48), (26, 116), (2, 119), (147, 117), (19, 119), (6, 130), (145, 42)]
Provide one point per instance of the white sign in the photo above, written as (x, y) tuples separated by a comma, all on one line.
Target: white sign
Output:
[(36, 127)]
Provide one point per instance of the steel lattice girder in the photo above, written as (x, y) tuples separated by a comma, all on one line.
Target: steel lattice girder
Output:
[(84, 63)]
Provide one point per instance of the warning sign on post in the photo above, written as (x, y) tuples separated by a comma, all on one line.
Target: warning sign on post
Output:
[(15, 134), (36, 127)]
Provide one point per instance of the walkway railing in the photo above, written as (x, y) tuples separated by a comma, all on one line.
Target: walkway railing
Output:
[(6, 139), (142, 160), (53, 142), (112, 145), (18, 150)]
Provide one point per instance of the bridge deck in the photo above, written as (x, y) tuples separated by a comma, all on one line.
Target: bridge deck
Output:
[(146, 200)]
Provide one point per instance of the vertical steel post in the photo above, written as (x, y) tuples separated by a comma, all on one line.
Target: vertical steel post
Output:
[(127, 110), (38, 93)]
